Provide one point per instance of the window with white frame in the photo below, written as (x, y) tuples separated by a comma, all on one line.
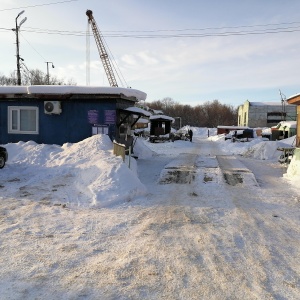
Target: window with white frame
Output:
[(23, 119)]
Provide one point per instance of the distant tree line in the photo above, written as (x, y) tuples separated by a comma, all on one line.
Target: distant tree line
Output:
[(209, 114), (34, 77)]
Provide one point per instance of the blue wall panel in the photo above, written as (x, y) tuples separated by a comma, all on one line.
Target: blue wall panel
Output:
[(72, 125)]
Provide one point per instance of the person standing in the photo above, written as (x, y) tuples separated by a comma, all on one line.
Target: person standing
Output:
[(191, 135)]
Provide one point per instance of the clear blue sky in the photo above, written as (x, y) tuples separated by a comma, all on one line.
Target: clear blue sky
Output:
[(190, 51)]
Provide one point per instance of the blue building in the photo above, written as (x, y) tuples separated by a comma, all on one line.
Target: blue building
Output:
[(60, 114)]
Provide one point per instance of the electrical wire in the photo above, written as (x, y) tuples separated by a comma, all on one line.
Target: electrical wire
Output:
[(211, 28), (179, 35), (32, 47), (287, 27), (169, 30), (37, 5), (126, 33)]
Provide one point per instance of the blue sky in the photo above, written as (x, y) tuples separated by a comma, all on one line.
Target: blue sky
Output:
[(153, 49)]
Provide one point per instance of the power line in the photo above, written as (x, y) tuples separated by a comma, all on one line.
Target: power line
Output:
[(30, 6), (177, 35), (207, 28), (33, 48), (169, 30), (224, 34)]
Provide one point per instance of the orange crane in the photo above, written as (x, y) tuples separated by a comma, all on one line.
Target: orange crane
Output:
[(102, 51)]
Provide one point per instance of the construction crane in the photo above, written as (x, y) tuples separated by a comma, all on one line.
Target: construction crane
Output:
[(102, 51)]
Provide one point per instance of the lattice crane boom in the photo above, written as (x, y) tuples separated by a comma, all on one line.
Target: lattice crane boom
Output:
[(102, 51)]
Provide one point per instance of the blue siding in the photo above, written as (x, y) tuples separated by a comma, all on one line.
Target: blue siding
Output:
[(72, 125)]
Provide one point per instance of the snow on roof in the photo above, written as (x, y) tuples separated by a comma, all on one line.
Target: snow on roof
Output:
[(157, 112), (265, 103), (278, 103), (72, 89), (232, 127), (13, 89), (162, 117), (139, 111), (143, 121), (293, 96), (286, 124)]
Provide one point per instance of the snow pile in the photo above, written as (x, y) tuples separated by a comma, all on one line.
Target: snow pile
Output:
[(263, 151), (267, 149), (293, 171), (141, 150), (89, 172), (257, 148)]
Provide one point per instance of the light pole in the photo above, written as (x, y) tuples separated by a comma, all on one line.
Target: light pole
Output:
[(48, 62), (17, 42)]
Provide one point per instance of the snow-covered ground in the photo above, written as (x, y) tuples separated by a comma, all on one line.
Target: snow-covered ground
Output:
[(209, 219)]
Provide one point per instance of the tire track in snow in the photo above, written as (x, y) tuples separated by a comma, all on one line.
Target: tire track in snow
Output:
[(214, 245)]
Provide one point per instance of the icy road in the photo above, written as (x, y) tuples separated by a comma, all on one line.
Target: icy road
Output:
[(213, 226)]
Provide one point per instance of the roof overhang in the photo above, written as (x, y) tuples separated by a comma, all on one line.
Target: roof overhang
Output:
[(137, 111), (66, 91), (162, 118), (294, 99), (133, 111)]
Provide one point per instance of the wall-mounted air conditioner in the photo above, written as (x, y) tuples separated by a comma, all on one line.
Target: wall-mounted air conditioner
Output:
[(52, 107)]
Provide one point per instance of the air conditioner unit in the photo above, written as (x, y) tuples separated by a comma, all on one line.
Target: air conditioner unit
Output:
[(52, 107)]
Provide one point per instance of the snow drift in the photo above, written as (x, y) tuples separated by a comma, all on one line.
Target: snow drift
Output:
[(85, 173)]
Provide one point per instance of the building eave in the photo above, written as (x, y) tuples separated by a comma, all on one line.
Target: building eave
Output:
[(294, 99)]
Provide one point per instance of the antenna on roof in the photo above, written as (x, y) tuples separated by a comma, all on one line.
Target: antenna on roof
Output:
[(283, 100)]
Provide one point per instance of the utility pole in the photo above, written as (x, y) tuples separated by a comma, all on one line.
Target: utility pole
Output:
[(17, 42), (48, 77)]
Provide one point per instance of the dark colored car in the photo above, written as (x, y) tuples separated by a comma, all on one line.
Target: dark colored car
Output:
[(3, 157)]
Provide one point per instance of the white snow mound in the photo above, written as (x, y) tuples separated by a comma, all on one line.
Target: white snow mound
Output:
[(88, 172)]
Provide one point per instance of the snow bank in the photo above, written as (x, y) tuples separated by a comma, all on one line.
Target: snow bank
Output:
[(257, 148), (141, 150), (263, 150), (293, 171), (89, 172)]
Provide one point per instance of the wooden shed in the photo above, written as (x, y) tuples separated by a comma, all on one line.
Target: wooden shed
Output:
[(160, 125)]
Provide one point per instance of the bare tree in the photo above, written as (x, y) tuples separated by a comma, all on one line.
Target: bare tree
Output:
[(34, 77), (10, 80), (209, 114), (216, 114)]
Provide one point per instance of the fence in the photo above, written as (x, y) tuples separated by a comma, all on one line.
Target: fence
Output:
[(120, 150)]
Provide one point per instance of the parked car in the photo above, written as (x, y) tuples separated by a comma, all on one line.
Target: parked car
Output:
[(3, 157)]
